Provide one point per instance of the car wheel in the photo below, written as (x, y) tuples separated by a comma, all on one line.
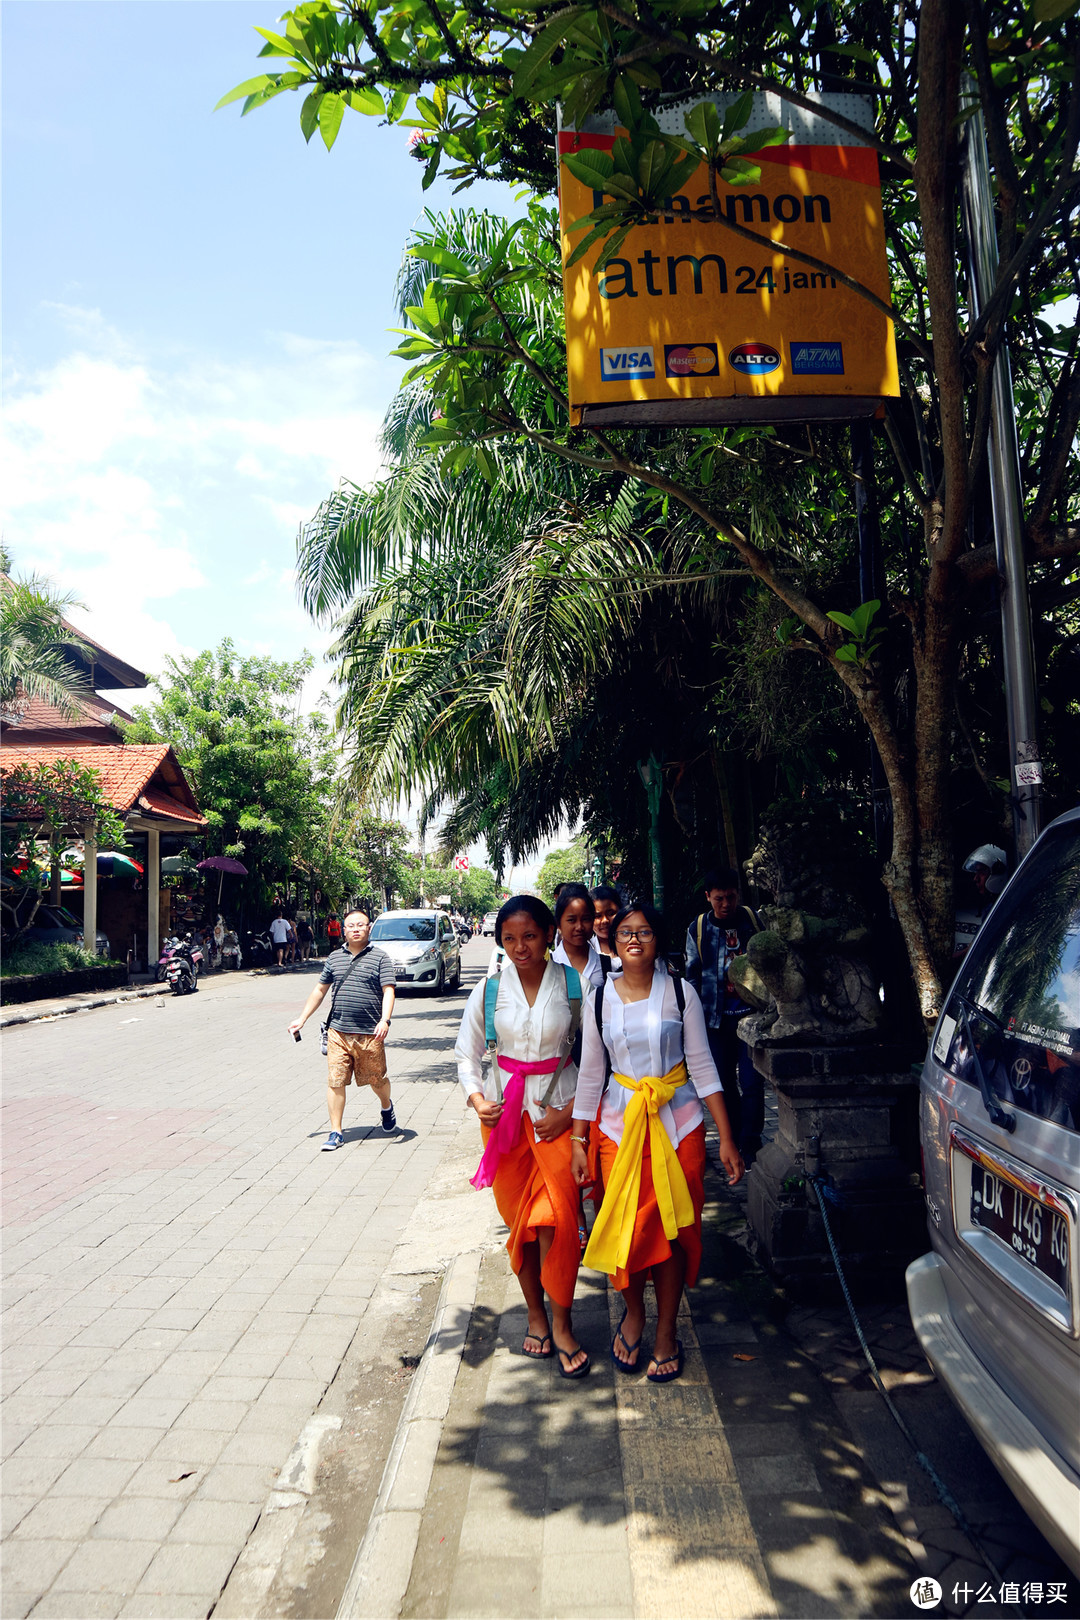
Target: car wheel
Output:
[(440, 982), (455, 982)]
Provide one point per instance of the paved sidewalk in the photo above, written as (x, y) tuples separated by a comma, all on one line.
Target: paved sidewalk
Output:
[(185, 1273)]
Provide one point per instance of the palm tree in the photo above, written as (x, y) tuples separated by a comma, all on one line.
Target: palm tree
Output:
[(36, 647)]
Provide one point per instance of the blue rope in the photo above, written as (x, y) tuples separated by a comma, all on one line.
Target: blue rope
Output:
[(822, 1192)]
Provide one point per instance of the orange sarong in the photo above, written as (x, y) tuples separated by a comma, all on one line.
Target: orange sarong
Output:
[(533, 1188), (649, 1245)]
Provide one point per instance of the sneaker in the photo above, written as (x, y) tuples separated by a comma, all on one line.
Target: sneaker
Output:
[(334, 1140), (389, 1118)]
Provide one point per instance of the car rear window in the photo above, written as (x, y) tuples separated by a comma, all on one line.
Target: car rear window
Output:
[(403, 928), (1017, 996)]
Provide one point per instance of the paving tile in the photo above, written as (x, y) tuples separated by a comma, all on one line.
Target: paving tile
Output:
[(190, 1447), (143, 1518), (124, 1442), (112, 1566), (205, 1522), (224, 1416), (32, 1476), (179, 1568), (15, 1604), (160, 1477), (62, 1518), (169, 1606), (63, 1605), (66, 1440), (13, 1509), (32, 1566), (152, 1413), (248, 1483)]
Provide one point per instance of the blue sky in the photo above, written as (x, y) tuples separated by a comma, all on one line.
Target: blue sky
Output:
[(196, 315)]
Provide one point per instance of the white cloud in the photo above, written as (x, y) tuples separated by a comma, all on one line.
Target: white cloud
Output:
[(166, 491)]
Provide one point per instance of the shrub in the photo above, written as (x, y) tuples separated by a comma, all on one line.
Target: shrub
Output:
[(36, 957)]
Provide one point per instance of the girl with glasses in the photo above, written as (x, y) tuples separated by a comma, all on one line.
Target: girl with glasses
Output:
[(648, 1040)]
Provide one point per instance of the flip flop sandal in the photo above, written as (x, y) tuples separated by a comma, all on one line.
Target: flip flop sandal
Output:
[(668, 1377), (620, 1365), (576, 1372), (541, 1340)]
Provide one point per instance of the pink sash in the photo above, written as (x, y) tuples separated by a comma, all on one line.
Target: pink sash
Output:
[(504, 1138)]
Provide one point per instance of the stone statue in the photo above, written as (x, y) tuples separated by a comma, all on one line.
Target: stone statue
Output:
[(809, 971)]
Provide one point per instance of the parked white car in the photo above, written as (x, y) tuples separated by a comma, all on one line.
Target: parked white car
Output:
[(423, 946), (996, 1302)]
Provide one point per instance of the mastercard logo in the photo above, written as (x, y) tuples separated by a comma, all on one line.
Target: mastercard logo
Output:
[(691, 360), (754, 359)]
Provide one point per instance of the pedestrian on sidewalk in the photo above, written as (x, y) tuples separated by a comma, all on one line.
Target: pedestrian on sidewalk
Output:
[(606, 902), (358, 1023), (713, 941), (279, 936), (647, 1038), (574, 916), (527, 1023)]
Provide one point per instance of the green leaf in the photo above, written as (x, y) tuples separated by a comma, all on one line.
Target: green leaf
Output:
[(627, 101), (398, 103), (593, 169), (737, 114), (309, 114), (432, 253), (845, 621), (249, 88), (366, 100), (1051, 10), (703, 124), (539, 54), (283, 47)]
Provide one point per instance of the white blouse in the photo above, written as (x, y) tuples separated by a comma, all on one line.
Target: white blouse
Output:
[(647, 1038), (529, 1034), (593, 972)]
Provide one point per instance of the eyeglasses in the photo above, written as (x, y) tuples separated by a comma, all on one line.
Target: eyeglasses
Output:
[(625, 935)]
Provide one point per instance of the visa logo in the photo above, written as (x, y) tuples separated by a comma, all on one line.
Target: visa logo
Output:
[(818, 359), (618, 364)]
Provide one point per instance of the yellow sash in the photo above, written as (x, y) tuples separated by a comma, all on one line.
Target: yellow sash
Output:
[(613, 1230)]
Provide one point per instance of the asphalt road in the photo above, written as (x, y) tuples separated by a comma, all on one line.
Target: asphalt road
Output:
[(185, 1272)]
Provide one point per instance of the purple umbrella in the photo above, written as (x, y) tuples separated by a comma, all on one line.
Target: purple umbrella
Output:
[(222, 864)]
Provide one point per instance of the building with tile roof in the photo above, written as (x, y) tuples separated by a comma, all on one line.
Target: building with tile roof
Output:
[(144, 782)]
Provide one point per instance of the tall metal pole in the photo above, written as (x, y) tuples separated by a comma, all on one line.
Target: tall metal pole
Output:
[(1025, 768), (652, 776)]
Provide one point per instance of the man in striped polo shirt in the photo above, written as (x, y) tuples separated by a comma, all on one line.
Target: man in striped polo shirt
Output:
[(363, 981)]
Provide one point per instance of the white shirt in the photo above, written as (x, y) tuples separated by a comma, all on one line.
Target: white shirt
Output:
[(647, 1038), (592, 973), (279, 930), (529, 1034)]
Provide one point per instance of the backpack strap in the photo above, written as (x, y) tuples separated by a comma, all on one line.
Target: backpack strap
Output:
[(598, 1007), (697, 935), (680, 993), (491, 995)]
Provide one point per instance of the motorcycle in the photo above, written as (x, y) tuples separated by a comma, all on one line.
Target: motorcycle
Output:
[(182, 968), (168, 948), (258, 949)]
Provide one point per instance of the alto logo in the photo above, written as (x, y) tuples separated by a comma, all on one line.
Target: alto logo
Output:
[(618, 364), (818, 359), (754, 359), (691, 360)]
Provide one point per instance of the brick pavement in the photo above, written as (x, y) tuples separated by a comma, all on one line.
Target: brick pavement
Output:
[(184, 1272)]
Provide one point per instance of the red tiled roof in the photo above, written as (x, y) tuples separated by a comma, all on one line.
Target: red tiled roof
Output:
[(126, 770), (160, 804)]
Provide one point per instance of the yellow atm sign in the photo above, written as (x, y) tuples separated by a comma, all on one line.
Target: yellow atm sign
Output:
[(693, 323)]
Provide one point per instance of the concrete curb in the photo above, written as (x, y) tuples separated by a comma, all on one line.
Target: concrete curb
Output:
[(64, 1008), (382, 1568)]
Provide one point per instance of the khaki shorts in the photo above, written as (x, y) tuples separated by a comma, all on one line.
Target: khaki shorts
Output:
[(354, 1057)]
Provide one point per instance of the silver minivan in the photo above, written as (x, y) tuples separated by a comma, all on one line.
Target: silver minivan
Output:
[(423, 946), (996, 1303)]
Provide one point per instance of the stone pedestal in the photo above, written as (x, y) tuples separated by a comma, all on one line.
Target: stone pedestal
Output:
[(848, 1113)]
